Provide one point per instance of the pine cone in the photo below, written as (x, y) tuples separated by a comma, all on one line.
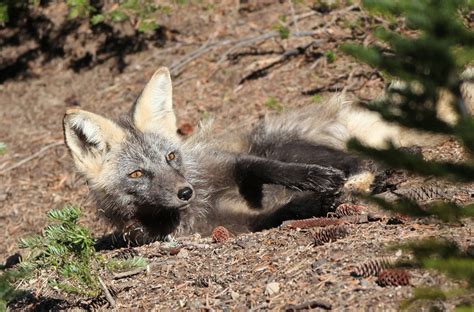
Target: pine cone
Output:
[(330, 234), (350, 210), (312, 222), (393, 277), (356, 219), (220, 234), (372, 267)]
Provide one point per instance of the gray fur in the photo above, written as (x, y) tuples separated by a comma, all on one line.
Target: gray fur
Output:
[(206, 163)]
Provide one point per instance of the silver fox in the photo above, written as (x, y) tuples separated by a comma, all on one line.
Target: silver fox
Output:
[(290, 166)]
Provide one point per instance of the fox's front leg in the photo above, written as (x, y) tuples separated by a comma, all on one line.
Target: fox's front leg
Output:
[(252, 172)]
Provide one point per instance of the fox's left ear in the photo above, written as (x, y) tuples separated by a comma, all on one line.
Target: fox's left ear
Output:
[(153, 111)]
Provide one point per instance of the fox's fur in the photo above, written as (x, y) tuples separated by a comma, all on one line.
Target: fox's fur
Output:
[(292, 165)]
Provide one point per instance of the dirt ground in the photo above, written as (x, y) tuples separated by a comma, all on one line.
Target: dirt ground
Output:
[(227, 61)]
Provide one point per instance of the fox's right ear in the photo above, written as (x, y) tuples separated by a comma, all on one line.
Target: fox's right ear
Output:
[(153, 111), (89, 137)]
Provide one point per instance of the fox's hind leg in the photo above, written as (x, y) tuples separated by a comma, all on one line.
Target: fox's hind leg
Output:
[(252, 173)]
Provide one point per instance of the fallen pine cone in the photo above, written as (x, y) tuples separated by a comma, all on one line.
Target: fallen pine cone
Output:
[(356, 219), (220, 234), (372, 267), (397, 219), (185, 129), (311, 222), (393, 277), (350, 210), (330, 234)]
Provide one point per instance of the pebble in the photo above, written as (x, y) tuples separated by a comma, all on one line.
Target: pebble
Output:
[(318, 263), (234, 295), (272, 288), (183, 254)]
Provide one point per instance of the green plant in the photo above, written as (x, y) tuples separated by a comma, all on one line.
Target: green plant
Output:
[(3, 148), (282, 28), (330, 56), (80, 8), (139, 12), (65, 248), (429, 64), (3, 12), (118, 265), (316, 98), (7, 291), (274, 104)]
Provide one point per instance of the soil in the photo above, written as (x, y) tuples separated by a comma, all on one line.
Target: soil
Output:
[(227, 62)]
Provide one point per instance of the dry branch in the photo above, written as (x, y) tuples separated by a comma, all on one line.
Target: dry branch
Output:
[(27, 159), (107, 293), (129, 273)]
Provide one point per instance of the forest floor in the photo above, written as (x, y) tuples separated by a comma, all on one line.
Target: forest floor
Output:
[(228, 61)]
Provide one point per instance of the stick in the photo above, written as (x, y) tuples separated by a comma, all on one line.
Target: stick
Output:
[(129, 273), (27, 159), (176, 69), (308, 305), (107, 294), (295, 21)]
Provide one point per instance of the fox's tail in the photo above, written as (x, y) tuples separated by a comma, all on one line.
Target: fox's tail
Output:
[(339, 119)]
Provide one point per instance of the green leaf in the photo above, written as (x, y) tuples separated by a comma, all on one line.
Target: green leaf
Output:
[(3, 13), (274, 104), (118, 16), (330, 56), (98, 18)]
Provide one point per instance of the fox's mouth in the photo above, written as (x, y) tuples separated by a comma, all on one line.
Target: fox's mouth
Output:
[(159, 221), (182, 207)]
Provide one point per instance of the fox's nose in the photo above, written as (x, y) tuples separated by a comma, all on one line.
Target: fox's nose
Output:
[(185, 193)]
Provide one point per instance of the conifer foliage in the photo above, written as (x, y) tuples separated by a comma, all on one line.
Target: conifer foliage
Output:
[(429, 61)]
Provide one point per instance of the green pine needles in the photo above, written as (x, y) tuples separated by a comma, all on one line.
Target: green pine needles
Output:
[(429, 62), (64, 254), (67, 249)]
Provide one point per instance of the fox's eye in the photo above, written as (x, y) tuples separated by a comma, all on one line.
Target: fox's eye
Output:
[(135, 174), (171, 156)]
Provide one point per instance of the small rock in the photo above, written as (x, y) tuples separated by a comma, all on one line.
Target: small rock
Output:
[(318, 263), (234, 295), (182, 303), (272, 288), (364, 283), (183, 254), (3, 196)]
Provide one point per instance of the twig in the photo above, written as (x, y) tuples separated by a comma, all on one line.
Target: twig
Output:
[(176, 68), (261, 71), (252, 40), (129, 273), (350, 83), (308, 305), (295, 21), (107, 294), (332, 85), (27, 159)]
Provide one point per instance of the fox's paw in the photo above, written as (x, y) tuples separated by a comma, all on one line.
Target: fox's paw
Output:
[(324, 179), (360, 183)]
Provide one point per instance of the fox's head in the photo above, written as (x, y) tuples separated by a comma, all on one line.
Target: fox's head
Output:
[(134, 167)]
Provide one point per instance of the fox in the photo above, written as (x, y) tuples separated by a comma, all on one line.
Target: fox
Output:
[(147, 179)]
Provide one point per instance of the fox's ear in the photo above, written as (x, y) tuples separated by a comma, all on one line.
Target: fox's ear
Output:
[(89, 137), (153, 111)]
